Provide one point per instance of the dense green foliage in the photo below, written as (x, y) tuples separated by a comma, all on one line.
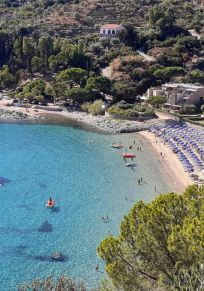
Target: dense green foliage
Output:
[(72, 74), (158, 242), (131, 110), (157, 100), (188, 109), (96, 108), (50, 284), (100, 83), (49, 40)]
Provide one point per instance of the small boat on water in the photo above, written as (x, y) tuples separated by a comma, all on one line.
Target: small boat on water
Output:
[(116, 146), (128, 156), (50, 203)]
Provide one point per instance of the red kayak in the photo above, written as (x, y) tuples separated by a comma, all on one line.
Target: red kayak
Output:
[(129, 156), (50, 204)]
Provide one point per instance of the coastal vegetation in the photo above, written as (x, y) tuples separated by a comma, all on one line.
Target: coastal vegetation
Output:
[(160, 245), (125, 109), (95, 108), (50, 284)]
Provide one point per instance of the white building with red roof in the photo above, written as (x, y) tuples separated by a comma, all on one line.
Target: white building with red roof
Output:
[(111, 30)]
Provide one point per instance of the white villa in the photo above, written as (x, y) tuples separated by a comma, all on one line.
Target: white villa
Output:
[(178, 94), (110, 30)]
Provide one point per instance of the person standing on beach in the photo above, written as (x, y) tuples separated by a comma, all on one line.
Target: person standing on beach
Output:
[(155, 188)]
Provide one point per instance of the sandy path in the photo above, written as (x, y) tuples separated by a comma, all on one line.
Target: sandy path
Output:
[(106, 72), (171, 164), (146, 57)]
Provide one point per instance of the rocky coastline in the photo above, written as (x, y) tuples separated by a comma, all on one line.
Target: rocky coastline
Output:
[(104, 124), (107, 124), (17, 115)]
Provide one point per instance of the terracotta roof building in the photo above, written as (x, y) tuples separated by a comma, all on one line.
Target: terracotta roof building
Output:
[(110, 30)]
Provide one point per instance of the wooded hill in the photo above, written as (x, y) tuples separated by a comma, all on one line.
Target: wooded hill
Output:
[(68, 18)]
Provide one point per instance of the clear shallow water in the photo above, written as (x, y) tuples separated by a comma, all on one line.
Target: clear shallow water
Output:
[(88, 180)]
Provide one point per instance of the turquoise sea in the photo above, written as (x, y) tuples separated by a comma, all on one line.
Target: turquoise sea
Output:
[(88, 180)]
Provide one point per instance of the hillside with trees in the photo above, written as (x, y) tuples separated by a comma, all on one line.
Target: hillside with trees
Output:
[(58, 42)]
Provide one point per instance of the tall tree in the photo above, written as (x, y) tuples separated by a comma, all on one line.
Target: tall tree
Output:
[(156, 241), (28, 52), (45, 48)]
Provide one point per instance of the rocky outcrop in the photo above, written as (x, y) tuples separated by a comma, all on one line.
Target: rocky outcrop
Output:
[(110, 125), (16, 115)]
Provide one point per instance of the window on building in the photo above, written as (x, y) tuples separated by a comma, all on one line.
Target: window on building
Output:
[(104, 32), (109, 31), (201, 99), (113, 31)]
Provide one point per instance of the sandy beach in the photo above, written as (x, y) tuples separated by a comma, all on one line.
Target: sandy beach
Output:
[(170, 163)]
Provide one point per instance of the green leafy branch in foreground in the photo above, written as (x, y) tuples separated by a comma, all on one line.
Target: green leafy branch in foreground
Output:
[(159, 243), (63, 283)]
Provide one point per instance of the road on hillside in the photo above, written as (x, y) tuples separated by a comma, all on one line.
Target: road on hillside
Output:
[(147, 58)]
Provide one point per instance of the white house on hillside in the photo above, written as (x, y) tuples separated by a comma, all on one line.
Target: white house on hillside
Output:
[(110, 30)]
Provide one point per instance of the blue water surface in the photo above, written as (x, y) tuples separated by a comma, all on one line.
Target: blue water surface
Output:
[(88, 180)]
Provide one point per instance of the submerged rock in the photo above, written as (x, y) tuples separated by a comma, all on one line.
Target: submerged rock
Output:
[(57, 257), (4, 181), (45, 227)]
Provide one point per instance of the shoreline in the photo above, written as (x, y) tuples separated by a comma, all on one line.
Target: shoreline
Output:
[(80, 119), (103, 124), (170, 163)]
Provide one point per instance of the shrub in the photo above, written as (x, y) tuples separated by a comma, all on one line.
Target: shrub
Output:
[(132, 60), (78, 95), (96, 108), (130, 110), (62, 283), (188, 109), (7, 80), (115, 41), (124, 105), (169, 72), (105, 41), (157, 100), (96, 48), (74, 74), (99, 83), (85, 106)]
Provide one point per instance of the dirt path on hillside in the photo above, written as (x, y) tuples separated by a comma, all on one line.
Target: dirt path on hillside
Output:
[(146, 57), (107, 71)]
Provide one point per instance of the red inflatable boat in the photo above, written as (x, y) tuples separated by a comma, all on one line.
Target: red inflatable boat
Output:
[(128, 156)]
